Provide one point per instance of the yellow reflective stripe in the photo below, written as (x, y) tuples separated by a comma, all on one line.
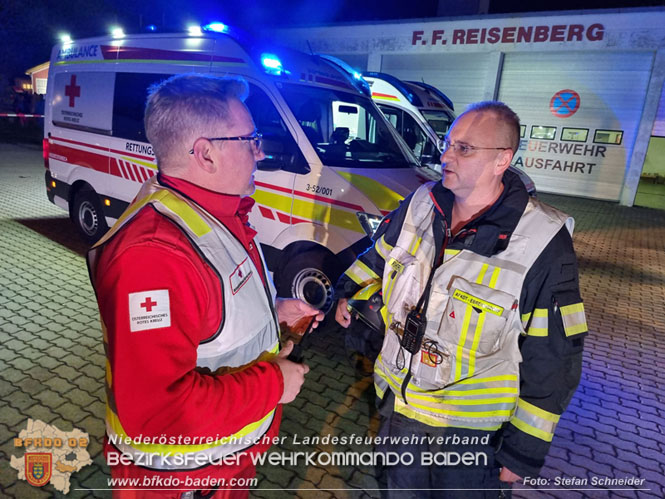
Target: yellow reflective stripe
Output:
[(466, 414), (405, 410), (481, 274), (116, 426), (525, 319), (538, 326), (383, 249), (491, 379), (378, 390), (460, 347), (366, 270), (535, 421), (181, 208), (361, 274), (384, 199), (415, 244), (495, 277), (482, 391), (572, 309), (574, 319), (474, 346)]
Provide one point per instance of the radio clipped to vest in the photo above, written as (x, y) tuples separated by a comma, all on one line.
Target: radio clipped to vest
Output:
[(416, 321)]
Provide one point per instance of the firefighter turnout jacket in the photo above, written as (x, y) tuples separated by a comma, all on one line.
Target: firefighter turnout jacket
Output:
[(503, 339)]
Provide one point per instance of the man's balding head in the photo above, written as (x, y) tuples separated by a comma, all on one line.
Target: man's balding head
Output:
[(508, 122)]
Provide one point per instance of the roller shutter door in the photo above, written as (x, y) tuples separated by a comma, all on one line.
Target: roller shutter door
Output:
[(462, 77), (589, 106)]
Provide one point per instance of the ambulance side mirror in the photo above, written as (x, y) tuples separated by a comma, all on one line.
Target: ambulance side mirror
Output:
[(281, 156)]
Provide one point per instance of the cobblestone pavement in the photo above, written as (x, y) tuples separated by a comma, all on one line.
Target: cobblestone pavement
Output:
[(51, 360)]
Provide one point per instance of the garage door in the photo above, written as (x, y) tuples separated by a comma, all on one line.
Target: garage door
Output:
[(580, 113), (462, 77)]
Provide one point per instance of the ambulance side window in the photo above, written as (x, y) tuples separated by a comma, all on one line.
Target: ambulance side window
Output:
[(281, 150), (131, 91)]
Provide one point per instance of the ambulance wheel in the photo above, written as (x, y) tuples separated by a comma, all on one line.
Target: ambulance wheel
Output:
[(310, 276), (88, 216)]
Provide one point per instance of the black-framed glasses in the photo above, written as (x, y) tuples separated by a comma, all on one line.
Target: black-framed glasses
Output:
[(463, 149), (255, 138)]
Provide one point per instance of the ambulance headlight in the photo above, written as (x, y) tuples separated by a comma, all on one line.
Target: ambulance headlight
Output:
[(117, 32), (194, 30), (369, 222)]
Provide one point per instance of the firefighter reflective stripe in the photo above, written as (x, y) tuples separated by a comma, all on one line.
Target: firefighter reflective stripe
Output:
[(382, 248), (415, 245), (361, 274), (525, 319), (481, 402), (229, 444), (538, 325), (535, 421), (574, 319), (424, 418)]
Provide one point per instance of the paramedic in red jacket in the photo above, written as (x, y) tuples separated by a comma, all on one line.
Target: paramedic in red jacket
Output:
[(194, 379)]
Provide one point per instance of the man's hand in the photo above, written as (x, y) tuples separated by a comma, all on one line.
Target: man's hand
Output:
[(293, 374), (291, 311), (508, 476), (342, 314)]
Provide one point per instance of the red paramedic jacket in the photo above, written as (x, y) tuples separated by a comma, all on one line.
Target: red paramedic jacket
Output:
[(157, 391)]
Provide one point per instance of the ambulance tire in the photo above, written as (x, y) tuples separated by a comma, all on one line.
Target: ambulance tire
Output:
[(88, 215), (310, 276)]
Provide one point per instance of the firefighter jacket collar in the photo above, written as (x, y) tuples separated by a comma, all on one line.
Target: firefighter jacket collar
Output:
[(490, 233)]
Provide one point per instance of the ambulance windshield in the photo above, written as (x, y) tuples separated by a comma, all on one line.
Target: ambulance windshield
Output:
[(345, 130), (439, 120)]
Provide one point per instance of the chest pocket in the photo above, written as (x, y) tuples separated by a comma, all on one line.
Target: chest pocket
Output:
[(475, 324)]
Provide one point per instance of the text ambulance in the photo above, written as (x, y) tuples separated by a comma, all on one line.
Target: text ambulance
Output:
[(334, 166)]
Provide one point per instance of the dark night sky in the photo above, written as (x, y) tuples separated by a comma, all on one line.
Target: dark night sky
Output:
[(29, 28)]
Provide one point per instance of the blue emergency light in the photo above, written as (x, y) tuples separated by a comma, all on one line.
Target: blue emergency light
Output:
[(272, 64), (217, 27)]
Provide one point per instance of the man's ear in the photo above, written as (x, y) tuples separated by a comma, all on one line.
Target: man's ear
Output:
[(203, 155), (504, 159)]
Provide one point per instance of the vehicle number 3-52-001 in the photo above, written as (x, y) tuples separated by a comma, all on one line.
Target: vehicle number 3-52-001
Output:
[(317, 189)]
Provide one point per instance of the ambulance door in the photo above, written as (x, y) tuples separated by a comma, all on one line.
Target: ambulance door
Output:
[(78, 133), (274, 178)]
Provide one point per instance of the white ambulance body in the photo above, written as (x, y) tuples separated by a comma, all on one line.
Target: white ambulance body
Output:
[(334, 166), (422, 115)]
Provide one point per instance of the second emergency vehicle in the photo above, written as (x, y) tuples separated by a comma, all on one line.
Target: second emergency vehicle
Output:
[(422, 115)]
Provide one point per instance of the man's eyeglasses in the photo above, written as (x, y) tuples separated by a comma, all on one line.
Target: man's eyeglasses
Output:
[(255, 138), (462, 149)]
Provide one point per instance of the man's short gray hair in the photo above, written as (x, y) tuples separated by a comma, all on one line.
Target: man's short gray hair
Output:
[(505, 115), (185, 107)]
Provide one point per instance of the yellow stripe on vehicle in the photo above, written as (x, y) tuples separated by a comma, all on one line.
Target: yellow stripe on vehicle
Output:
[(384, 199), (152, 166)]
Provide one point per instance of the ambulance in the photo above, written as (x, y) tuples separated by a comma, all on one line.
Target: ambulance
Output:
[(422, 114), (334, 166)]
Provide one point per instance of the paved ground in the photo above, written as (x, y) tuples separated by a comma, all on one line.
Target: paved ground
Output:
[(51, 360)]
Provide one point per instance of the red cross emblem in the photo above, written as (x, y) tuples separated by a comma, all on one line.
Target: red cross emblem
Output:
[(148, 304), (73, 91)]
